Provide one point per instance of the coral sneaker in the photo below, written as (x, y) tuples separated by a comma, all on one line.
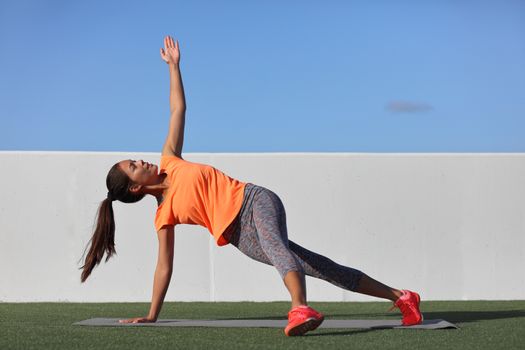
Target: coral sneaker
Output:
[(302, 319), (408, 303)]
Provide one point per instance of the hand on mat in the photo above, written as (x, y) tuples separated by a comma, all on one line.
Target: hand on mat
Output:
[(137, 320), (170, 53)]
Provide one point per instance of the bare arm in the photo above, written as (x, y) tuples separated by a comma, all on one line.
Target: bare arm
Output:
[(162, 278), (163, 271), (175, 139)]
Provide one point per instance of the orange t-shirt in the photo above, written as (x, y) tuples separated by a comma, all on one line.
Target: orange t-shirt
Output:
[(199, 195)]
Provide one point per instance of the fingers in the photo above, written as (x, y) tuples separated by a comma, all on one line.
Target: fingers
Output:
[(133, 320), (169, 43)]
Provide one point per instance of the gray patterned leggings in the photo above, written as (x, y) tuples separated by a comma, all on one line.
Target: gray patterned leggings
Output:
[(259, 231)]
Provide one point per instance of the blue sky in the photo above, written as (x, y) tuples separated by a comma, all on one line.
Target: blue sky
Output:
[(265, 76)]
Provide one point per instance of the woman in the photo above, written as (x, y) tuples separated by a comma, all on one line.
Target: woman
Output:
[(250, 217)]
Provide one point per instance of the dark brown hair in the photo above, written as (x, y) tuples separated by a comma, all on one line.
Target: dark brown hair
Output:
[(103, 240)]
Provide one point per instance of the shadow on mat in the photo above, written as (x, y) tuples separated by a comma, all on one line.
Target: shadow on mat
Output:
[(275, 318), (342, 332), (473, 316)]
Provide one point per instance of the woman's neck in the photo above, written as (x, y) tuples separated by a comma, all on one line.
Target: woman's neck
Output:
[(159, 189)]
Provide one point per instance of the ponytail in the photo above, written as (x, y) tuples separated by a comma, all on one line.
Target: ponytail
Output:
[(103, 240)]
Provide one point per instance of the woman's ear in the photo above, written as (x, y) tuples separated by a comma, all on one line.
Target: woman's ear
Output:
[(135, 188)]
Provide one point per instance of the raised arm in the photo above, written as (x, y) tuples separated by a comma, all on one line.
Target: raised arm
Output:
[(175, 139)]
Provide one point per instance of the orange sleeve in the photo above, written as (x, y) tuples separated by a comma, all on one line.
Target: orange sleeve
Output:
[(164, 217)]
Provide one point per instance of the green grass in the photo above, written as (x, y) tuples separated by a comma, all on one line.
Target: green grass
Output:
[(484, 325)]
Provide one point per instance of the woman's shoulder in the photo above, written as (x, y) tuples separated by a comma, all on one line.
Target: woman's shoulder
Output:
[(171, 157), (167, 160)]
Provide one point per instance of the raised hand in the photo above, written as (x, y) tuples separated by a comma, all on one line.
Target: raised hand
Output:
[(170, 53)]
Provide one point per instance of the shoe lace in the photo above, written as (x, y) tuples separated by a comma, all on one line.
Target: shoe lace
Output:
[(403, 307)]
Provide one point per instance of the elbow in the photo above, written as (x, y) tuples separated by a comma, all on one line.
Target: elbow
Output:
[(164, 274), (165, 269), (180, 109)]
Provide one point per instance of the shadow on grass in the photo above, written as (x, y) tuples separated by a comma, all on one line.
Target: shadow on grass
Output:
[(451, 316)]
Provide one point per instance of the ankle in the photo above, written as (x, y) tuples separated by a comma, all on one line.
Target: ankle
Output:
[(396, 294), (299, 302)]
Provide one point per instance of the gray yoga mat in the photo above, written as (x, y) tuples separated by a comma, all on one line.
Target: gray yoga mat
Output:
[(370, 324)]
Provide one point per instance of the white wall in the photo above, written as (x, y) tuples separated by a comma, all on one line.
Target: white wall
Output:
[(450, 226)]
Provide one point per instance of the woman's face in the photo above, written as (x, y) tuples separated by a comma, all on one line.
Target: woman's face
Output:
[(140, 172)]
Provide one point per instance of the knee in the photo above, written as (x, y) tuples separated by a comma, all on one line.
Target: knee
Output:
[(292, 271)]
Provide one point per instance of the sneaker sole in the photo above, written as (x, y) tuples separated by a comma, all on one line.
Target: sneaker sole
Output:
[(309, 325)]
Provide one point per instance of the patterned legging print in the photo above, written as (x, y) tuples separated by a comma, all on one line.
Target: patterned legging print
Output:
[(260, 232)]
